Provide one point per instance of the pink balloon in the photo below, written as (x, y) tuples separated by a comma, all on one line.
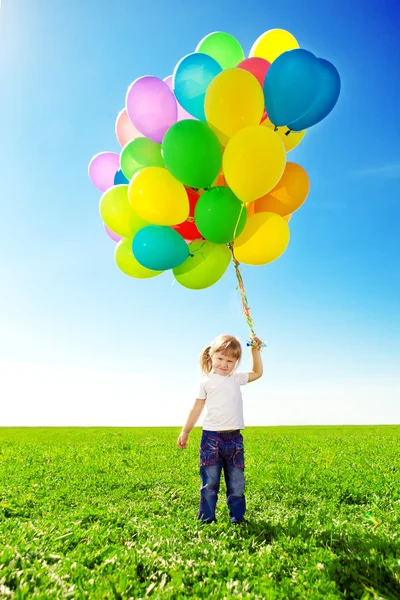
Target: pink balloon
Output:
[(151, 107), (124, 129), (112, 235), (182, 113), (102, 169), (256, 66)]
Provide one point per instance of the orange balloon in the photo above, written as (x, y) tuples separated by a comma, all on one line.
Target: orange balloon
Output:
[(220, 180), (288, 195), (251, 209), (124, 129)]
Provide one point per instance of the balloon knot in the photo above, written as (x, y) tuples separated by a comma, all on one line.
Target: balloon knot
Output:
[(288, 131)]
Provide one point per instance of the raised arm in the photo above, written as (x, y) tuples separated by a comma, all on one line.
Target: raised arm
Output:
[(257, 368)]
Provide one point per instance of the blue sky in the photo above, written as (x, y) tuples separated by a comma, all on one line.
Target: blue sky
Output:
[(80, 342)]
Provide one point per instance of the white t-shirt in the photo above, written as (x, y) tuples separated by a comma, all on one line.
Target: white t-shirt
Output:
[(224, 402)]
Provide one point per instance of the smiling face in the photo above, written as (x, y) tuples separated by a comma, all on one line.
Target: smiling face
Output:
[(223, 364)]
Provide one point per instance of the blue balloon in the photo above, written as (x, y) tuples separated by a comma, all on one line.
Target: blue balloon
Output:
[(191, 78), (159, 248), (120, 178), (291, 86), (328, 94)]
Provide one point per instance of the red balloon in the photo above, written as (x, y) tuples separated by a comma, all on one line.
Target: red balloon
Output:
[(256, 66), (188, 229)]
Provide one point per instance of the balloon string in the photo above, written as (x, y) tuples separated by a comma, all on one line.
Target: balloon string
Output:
[(254, 342)]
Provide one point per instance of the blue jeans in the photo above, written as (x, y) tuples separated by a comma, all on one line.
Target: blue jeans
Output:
[(221, 450)]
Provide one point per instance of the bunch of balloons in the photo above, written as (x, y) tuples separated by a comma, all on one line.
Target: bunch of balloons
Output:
[(203, 170)]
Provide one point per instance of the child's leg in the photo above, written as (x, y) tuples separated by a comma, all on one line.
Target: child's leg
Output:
[(210, 477), (234, 478), (210, 473)]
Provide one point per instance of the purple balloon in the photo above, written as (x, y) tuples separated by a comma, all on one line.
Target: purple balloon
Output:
[(151, 107), (112, 235), (182, 113), (102, 169)]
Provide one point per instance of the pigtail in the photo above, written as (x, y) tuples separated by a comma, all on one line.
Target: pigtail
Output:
[(205, 360)]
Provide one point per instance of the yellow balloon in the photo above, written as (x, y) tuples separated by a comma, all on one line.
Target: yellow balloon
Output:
[(118, 214), (127, 262), (156, 196), (288, 195), (291, 140), (264, 238), (234, 100), (253, 162), (273, 43)]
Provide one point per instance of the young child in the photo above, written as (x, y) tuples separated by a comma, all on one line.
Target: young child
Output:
[(221, 446)]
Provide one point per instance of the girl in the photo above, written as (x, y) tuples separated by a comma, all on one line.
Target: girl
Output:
[(221, 444)]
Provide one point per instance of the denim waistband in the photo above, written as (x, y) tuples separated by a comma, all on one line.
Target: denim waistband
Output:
[(225, 434)]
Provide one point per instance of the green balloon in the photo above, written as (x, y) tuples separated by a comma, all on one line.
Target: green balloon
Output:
[(223, 47), (192, 153), (219, 215), (207, 265), (140, 153)]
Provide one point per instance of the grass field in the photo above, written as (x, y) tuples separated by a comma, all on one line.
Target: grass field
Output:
[(111, 513)]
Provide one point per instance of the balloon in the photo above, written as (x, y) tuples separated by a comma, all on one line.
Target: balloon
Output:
[(207, 265), (291, 140), (192, 153), (140, 153), (234, 100), (220, 180), (252, 208), (125, 129), (188, 229), (219, 215), (120, 178), (263, 240), (288, 195), (256, 66), (253, 162), (102, 169), (114, 236), (182, 113), (159, 248), (291, 86), (128, 264), (158, 197), (151, 107), (223, 47), (191, 78), (327, 96), (272, 44), (117, 213)]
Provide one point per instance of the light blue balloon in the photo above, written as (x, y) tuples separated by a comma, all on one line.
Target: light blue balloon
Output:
[(120, 178), (328, 94), (159, 248), (191, 78), (291, 86)]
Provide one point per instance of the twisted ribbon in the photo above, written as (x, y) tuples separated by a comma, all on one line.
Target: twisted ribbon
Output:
[(254, 341)]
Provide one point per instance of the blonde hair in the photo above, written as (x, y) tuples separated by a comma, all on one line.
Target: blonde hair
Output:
[(227, 344)]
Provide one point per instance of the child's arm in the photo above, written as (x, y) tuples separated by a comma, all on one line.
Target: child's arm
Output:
[(257, 369), (191, 422)]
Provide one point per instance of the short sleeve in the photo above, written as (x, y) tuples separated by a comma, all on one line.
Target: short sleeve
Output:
[(242, 377), (201, 394)]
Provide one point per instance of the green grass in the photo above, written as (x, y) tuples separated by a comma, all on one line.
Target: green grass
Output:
[(111, 513)]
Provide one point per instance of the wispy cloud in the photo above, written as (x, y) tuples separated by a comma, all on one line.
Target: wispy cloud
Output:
[(389, 171)]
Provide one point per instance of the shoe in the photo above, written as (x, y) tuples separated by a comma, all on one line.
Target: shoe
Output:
[(208, 521), (242, 522)]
